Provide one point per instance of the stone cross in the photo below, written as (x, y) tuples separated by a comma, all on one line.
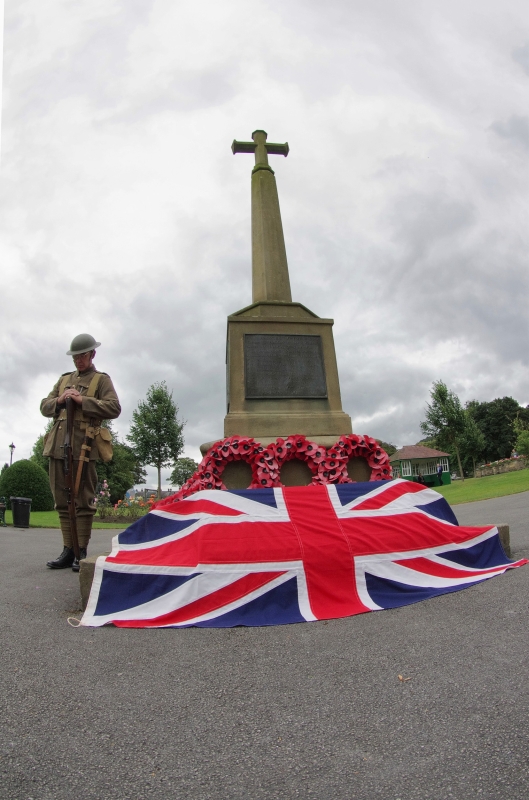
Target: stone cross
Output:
[(261, 149), (270, 280)]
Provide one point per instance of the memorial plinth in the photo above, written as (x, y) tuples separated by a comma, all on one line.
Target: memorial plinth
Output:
[(282, 375)]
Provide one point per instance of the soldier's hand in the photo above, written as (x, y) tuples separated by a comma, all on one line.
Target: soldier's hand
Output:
[(76, 396)]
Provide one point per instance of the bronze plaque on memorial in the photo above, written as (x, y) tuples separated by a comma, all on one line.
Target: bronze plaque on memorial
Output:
[(283, 366)]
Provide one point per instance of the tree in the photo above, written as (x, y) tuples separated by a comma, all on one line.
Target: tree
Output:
[(183, 469), (6, 466), (472, 443), (36, 454), (121, 473), (156, 433), (445, 420), (521, 429), (389, 448), (522, 444), (26, 479), (495, 419)]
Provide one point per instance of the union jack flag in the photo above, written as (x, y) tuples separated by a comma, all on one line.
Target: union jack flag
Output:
[(275, 556)]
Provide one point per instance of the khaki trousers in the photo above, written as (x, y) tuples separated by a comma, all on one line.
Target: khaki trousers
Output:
[(84, 505)]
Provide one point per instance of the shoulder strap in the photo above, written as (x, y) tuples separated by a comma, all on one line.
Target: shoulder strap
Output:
[(64, 383), (92, 387)]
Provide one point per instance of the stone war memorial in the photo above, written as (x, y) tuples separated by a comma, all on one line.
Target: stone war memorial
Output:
[(281, 370), (309, 526)]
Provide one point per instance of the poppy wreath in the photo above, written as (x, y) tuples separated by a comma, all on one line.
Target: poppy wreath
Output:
[(326, 465)]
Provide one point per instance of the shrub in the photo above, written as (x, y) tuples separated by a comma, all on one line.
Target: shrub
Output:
[(27, 479), (522, 443)]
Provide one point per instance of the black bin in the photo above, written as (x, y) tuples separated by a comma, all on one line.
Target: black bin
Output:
[(20, 506)]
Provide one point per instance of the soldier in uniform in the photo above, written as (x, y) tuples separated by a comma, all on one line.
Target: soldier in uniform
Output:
[(95, 400)]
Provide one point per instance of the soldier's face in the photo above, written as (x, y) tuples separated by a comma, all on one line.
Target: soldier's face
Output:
[(84, 360)]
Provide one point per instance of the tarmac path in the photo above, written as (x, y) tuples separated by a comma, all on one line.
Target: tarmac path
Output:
[(313, 710)]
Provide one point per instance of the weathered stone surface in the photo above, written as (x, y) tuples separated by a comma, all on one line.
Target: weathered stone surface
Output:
[(86, 576), (237, 475), (505, 538), (295, 473), (298, 391), (270, 279), (269, 418), (358, 469), (508, 465)]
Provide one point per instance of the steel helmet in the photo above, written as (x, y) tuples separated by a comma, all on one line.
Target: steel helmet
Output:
[(82, 343)]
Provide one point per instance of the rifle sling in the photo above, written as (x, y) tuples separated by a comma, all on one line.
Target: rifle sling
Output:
[(84, 456)]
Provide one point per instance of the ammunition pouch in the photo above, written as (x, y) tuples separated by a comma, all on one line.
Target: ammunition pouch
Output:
[(104, 443), (49, 442)]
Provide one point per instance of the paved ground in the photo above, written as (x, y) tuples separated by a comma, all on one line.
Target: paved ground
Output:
[(310, 710)]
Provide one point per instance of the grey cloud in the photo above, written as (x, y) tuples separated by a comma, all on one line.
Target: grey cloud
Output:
[(440, 261), (90, 68), (185, 91), (515, 128), (521, 56)]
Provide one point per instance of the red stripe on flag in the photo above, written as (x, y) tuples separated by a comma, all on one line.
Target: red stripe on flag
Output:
[(211, 602), (220, 543), (388, 495), (429, 567), (328, 560), (400, 533), (200, 506)]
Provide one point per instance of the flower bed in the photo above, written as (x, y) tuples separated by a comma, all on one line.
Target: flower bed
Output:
[(127, 510), (503, 465), (326, 465)]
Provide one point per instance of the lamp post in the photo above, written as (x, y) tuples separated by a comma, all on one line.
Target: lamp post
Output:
[(11, 447)]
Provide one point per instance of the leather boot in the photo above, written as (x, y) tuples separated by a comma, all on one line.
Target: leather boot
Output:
[(82, 554), (65, 559)]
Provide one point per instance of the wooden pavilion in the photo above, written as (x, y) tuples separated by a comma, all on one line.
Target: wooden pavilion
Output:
[(413, 460)]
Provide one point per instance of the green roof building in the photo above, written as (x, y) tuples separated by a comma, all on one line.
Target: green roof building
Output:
[(413, 460)]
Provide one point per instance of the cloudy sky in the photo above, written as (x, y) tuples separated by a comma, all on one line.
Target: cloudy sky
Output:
[(124, 213)]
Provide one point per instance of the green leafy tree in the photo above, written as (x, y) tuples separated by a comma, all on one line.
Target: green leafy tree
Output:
[(36, 454), (156, 433), (6, 466), (472, 443), (389, 448), (123, 472), (522, 444), (26, 479), (495, 419), (445, 420), (432, 443), (182, 470), (521, 429)]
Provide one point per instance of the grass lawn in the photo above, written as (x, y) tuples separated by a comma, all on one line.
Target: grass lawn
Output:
[(484, 488), (50, 519)]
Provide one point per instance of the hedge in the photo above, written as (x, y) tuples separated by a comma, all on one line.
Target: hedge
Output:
[(27, 479)]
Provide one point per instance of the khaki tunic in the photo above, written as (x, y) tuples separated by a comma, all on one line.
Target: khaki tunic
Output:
[(104, 405)]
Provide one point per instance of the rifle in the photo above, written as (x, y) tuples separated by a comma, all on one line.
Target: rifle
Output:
[(84, 456), (68, 474)]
